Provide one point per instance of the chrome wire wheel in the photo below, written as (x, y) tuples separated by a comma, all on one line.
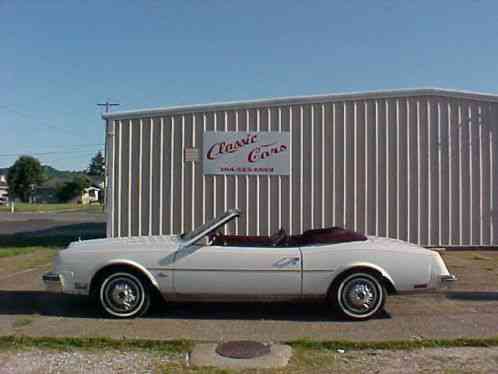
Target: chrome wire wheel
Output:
[(123, 295), (360, 295)]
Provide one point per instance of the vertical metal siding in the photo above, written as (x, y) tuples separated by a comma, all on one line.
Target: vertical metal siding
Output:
[(403, 184), (493, 167), (124, 196), (135, 177), (155, 198), (371, 168), (109, 175), (231, 180), (116, 187), (419, 168)]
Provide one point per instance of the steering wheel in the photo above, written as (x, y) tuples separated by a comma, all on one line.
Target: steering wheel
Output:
[(213, 236), (279, 237)]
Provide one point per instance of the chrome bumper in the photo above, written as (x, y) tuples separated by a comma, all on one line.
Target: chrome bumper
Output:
[(448, 278), (447, 281), (52, 281)]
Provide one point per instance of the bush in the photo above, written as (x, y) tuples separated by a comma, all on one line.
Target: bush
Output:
[(72, 189)]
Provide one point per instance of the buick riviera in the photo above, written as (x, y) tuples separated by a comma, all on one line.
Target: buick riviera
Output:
[(352, 272)]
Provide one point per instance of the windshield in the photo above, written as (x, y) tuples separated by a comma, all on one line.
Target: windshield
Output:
[(214, 224)]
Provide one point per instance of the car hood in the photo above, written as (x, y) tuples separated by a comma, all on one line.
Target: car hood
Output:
[(126, 244)]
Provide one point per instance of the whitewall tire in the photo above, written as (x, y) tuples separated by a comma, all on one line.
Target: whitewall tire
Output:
[(124, 295), (359, 296)]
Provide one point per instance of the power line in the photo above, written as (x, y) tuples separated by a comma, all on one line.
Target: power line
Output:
[(53, 152), (69, 157)]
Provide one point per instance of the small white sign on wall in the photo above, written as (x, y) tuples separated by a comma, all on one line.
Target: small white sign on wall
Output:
[(252, 153)]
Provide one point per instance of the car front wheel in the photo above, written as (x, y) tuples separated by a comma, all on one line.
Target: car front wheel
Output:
[(360, 296), (124, 295)]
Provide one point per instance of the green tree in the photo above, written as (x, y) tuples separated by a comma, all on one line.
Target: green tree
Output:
[(72, 189), (97, 165), (23, 176)]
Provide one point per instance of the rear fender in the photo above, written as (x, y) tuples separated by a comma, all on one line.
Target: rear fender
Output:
[(345, 268)]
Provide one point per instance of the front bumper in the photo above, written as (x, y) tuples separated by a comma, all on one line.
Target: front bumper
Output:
[(52, 281), (448, 280)]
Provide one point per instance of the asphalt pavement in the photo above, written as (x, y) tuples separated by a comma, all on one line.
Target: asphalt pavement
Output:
[(12, 223), (459, 313), (469, 310)]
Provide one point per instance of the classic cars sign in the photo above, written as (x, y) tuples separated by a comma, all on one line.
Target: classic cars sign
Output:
[(236, 153)]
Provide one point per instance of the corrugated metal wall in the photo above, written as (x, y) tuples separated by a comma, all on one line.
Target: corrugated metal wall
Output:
[(417, 168)]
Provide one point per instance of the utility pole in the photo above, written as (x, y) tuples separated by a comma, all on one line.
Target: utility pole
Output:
[(107, 105)]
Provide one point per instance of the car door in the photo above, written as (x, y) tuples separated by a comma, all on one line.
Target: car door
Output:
[(239, 272)]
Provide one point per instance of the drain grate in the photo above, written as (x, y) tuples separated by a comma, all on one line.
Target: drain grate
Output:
[(243, 349)]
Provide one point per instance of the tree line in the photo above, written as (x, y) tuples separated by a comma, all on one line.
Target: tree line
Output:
[(26, 174)]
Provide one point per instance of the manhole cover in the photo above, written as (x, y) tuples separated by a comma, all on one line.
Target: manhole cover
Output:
[(242, 349)]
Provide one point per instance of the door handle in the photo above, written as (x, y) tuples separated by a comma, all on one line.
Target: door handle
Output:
[(287, 261)]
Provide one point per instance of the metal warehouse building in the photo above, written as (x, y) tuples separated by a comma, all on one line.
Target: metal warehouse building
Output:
[(418, 165)]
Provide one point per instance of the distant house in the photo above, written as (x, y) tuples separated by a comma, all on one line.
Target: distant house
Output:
[(4, 190), (90, 195)]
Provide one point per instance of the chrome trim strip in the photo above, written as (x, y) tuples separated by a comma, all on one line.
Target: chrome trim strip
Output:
[(208, 297), (448, 278), (230, 270), (243, 270)]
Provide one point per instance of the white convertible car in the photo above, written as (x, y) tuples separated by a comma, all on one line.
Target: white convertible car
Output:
[(352, 272)]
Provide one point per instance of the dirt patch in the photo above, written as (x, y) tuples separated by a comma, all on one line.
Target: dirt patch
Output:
[(34, 258), (437, 360), (476, 271), (444, 361), (42, 361)]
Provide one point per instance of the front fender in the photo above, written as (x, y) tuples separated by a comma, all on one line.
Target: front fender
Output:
[(124, 262)]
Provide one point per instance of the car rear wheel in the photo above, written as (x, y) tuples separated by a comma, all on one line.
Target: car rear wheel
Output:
[(360, 295), (124, 295)]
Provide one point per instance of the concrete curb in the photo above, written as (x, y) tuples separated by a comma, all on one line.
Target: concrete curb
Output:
[(205, 355)]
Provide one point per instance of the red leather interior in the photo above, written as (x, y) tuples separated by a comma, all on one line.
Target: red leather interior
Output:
[(239, 240), (332, 235)]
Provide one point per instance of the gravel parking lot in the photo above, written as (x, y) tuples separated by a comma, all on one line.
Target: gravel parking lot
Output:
[(42, 361), (448, 360)]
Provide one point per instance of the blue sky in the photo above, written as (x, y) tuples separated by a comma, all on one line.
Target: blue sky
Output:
[(59, 58)]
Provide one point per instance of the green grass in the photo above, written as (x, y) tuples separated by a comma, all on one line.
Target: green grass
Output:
[(25, 342), (183, 346), (308, 356), (395, 344), (21, 322), (480, 257), (26, 207), (10, 252)]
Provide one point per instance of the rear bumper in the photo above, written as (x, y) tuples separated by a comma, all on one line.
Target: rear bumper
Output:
[(448, 280), (444, 282)]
